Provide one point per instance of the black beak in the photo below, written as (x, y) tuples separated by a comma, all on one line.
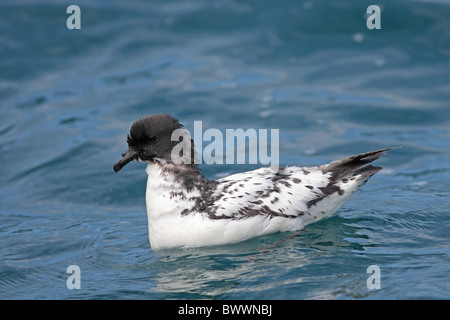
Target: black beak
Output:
[(127, 156)]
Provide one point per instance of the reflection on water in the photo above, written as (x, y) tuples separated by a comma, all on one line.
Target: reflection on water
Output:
[(234, 271)]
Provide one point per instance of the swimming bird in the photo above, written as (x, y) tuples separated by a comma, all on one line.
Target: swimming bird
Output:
[(185, 209)]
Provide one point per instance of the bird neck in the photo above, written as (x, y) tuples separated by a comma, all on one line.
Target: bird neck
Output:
[(173, 188), (187, 175)]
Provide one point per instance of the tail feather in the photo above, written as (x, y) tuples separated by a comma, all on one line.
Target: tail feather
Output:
[(355, 165), (347, 175), (366, 171)]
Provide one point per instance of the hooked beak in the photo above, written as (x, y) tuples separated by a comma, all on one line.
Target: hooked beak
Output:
[(127, 156)]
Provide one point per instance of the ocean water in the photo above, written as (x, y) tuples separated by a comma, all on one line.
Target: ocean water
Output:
[(311, 69)]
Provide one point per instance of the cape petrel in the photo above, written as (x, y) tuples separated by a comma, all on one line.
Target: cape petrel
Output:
[(185, 209)]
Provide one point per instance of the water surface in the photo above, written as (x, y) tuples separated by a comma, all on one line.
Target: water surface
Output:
[(311, 69)]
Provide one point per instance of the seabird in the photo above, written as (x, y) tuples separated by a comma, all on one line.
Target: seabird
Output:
[(185, 209)]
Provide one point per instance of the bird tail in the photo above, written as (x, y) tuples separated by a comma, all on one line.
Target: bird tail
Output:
[(355, 166), (347, 175)]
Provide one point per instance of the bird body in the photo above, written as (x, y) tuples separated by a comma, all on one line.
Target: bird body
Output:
[(185, 209)]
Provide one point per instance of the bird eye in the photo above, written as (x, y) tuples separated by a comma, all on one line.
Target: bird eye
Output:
[(152, 138)]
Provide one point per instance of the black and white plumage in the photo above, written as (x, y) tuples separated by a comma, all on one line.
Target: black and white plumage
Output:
[(186, 209)]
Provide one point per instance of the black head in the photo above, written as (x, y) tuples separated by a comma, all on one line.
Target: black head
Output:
[(150, 138)]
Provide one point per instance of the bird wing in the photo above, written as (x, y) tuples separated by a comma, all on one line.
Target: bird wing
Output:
[(283, 193), (291, 192)]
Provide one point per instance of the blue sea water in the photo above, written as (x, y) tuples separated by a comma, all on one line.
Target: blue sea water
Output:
[(311, 69)]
